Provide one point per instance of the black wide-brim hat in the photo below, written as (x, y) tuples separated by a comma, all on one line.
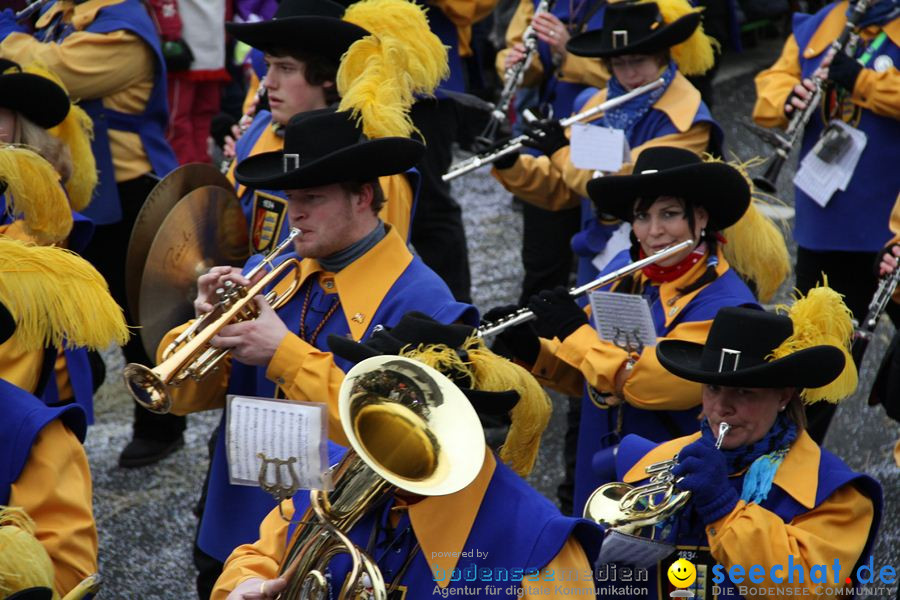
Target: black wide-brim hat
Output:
[(313, 26), (416, 328), (668, 171), (37, 98), (630, 28), (7, 323), (736, 349), (322, 147)]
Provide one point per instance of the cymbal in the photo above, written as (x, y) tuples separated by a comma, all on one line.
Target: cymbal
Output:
[(205, 228), (159, 202)]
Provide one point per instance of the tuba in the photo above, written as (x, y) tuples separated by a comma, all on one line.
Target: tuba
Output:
[(627, 508), (410, 429), (191, 355)]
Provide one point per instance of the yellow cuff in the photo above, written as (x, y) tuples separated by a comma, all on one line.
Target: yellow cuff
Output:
[(287, 358)]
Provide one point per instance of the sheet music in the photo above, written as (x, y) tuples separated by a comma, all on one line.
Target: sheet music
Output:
[(623, 319), (598, 148), (279, 429), (820, 180)]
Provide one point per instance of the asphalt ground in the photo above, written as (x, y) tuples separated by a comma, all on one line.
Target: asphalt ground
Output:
[(145, 516)]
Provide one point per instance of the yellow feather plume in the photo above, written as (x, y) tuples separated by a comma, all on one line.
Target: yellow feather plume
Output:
[(76, 131), (380, 74), (756, 246), (24, 562), (695, 55), (35, 195), (492, 373), (821, 318), (57, 299)]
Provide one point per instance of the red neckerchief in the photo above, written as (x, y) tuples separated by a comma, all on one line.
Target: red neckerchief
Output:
[(659, 274)]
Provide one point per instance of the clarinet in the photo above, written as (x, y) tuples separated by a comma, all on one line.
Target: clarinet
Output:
[(512, 79), (784, 142), (863, 334)]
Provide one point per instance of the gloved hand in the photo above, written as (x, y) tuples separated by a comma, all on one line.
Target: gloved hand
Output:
[(8, 24), (557, 313), (506, 161), (546, 135), (844, 71), (515, 343), (178, 55), (704, 473)]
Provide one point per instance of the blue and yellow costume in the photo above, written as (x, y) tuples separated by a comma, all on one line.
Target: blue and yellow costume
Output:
[(377, 288)]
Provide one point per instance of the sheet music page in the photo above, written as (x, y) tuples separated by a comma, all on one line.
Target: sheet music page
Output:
[(623, 319), (280, 429), (598, 148), (819, 179)]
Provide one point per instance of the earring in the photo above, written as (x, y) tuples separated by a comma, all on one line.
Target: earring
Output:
[(782, 408), (703, 233)]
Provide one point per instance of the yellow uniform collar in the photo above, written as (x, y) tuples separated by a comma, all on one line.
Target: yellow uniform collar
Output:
[(798, 475), (674, 301), (363, 284), (442, 523), (832, 26)]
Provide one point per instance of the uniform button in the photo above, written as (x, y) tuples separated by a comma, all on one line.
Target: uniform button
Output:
[(280, 381), (712, 531)]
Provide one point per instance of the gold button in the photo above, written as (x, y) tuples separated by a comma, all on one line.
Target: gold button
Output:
[(329, 284), (358, 317)]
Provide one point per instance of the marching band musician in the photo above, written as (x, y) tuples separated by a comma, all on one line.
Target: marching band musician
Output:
[(638, 43), (356, 272), (771, 496), (108, 54), (418, 541), (840, 235), (304, 44), (44, 294), (36, 113), (665, 206)]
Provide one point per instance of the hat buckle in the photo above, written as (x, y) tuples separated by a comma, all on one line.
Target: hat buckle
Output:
[(727, 355), (620, 38), (290, 162)]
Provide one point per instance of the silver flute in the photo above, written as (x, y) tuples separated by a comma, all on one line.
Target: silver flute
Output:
[(523, 315), (515, 144)]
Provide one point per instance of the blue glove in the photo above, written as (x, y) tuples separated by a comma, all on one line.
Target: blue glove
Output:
[(8, 24), (704, 473)]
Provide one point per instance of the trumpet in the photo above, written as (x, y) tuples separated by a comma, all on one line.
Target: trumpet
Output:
[(516, 143), (627, 508), (784, 142), (523, 315), (191, 355)]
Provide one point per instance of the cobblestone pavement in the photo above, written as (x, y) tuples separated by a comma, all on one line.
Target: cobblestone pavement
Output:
[(145, 516)]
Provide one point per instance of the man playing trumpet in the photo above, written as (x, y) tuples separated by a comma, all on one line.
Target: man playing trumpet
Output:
[(356, 273)]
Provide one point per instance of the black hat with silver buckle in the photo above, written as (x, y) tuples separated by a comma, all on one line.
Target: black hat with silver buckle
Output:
[(322, 147), (668, 171), (633, 28), (738, 349)]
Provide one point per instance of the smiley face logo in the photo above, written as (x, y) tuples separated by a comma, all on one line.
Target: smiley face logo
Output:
[(682, 573)]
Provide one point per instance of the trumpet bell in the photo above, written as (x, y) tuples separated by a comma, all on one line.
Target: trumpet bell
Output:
[(147, 388), (411, 425)]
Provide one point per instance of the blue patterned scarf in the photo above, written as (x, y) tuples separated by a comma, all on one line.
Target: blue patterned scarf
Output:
[(625, 117), (881, 13), (763, 456)]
